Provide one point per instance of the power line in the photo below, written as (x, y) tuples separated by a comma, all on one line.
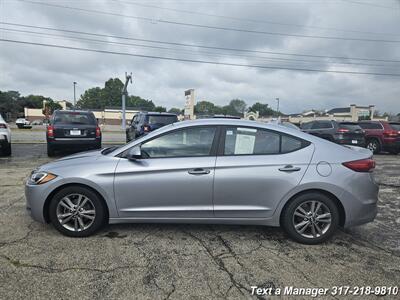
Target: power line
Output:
[(249, 20), (369, 4), (199, 46), (195, 25), (198, 61), (63, 37)]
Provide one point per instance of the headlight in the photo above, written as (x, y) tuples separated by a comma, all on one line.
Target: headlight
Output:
[(41, 177)]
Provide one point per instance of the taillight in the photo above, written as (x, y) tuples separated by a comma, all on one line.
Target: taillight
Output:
[(363, 165), (50, 131), (390, 133), (342, 130), (4, 126), (146, 128), (98, 132)]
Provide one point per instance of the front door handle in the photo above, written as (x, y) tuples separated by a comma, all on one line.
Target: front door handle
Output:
[(289, 168), (198, 171)]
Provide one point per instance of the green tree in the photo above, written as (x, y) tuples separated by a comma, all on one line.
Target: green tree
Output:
[(160, 109), (205, 108), (50, 107), (91, 98), (238, 105), (112, 92), (140, 103), (263, 109), (9, 103), (175, 110)]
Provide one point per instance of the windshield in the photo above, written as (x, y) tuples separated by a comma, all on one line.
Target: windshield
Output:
[(79, 118), (162, 120)]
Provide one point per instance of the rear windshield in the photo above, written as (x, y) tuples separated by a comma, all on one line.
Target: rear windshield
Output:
[(349, 126), (161, 120), (78, 118), (395, 126)]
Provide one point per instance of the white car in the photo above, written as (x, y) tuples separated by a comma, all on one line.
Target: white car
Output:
[(5, 137), (22, 122)]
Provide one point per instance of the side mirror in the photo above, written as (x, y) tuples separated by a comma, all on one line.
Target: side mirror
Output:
[(134, 153)]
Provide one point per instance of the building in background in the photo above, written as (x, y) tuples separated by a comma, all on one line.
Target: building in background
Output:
[(189, 105), (353, 113)]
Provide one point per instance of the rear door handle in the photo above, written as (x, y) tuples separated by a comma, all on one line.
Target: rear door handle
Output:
[(198, 171), (289, 168)]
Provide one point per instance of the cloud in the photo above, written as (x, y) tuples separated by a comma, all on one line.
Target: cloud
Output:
[(50, 71)]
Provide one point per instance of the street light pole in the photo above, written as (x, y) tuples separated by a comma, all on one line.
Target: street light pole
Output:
[(74, 94)]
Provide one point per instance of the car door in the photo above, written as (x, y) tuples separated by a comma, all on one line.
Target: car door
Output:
[(173, 179), (255, 169)]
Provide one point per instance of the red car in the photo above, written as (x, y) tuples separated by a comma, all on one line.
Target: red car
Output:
[(382, 136)]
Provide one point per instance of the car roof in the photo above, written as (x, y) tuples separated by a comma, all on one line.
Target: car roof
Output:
[(157, 113), (74, 111)]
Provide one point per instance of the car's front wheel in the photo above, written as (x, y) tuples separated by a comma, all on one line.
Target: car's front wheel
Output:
[(374, 146), (77, 211), (310, 218)]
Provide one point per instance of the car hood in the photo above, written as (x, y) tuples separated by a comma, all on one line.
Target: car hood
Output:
[(71, 160)]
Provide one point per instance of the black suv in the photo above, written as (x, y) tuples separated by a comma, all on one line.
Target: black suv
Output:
[(347, 133), (144, 122), (72, 129)]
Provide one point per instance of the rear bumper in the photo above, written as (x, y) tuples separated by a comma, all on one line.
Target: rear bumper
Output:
[(360, 142), (3, 140), (392, 145), (361, 200), (74, 142)]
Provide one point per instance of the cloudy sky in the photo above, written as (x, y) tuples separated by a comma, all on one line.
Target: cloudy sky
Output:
[(284, 34)]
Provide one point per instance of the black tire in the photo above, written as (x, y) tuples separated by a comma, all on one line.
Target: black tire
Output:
[(50, 151), (7, 150), (99, 208), (374, 145), (288, 218), (98, 145)]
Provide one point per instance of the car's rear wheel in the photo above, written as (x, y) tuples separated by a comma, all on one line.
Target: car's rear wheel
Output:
[(50, 150), (77, 211), (310, 218), (374, 146), (7, 150)]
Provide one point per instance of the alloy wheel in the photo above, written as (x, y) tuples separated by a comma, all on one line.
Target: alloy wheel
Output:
[(372, 146), (76, 212), (312, 219)]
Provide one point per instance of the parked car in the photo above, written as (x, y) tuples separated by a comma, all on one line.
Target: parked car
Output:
[(5, 138), (22, 123), (145, 122), (37, 122), (347, 133), (72, 129), (210, 171), (382, 136)]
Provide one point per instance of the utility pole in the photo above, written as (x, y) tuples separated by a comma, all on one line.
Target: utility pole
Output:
[(124, 94), (74, 95)]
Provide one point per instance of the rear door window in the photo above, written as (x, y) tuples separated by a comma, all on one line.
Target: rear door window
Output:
[(255, 141)]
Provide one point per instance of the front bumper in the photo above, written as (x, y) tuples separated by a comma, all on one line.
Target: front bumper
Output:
[(36, 196)]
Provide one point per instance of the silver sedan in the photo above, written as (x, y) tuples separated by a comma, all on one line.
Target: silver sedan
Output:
[(221, 171)]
